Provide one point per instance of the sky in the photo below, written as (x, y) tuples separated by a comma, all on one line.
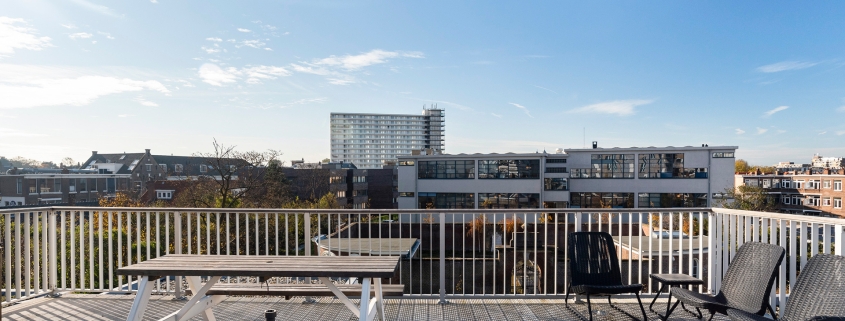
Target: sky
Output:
[(173, 76)]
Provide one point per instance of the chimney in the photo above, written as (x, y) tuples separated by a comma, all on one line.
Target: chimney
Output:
[(93, 152), (595, 144), (759, 172), (842, 171), (826, 171), (147, 151)]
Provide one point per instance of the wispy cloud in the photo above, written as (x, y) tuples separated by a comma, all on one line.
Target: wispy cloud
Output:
[(786, 65), (105, 34), (376, 56), (761, 131), (215, 39), (739, 131), (97, 8), (216, 76), (823, 132), (775, 110), (496, 115), (524, 109), (244, 30), (841, 109), (252, 43), (80, 35), (69, 26), (305, 101), (210, 50), (840, 133), (125, 115), (23, 86), (145, 102), (616, 107), (14, 34), (8, 132), (544, 88)]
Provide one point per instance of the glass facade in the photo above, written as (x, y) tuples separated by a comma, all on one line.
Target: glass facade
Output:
[(667, 166), (607, 166), (446, 200), (509, 168), (556, 184), (461, 169), (665, 200), (601, 200), (508, 200)]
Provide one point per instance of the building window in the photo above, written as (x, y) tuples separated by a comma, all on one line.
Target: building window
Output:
[(508, 200), (406, 194), (695, 268), (723, 155), (164, 195), (827, 184), (814, 184), (785, 199), (826, 201), (796, 199), (341, 194), (162, 167), (149, 167), (57, 185), (555, 160), (812, 200), (177, 168), (555, 169), (556, 184), (798, 184), (667, 200), (837, 202), (446, 200), (601, 200), (203, 168), (509, 168), (406, 163), (462, 169), (19, 185), (837, 185), (607, 166), (337, 180)]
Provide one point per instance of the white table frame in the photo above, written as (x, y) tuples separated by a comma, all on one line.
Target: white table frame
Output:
[(200, 303)]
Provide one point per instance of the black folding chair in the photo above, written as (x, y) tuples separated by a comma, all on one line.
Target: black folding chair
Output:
[(594, 269)]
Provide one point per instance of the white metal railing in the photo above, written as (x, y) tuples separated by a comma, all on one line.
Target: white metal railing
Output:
[(460, 253)]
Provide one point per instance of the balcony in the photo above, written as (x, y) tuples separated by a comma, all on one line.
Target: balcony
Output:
[(490, 264)]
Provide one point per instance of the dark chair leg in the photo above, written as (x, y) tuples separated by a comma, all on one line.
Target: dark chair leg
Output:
[(669, 312), (650, 306), (645, 317), (712, 314), (771, 310), (589, 306)]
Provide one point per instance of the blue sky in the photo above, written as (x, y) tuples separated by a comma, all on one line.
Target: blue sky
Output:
[(114, 76)]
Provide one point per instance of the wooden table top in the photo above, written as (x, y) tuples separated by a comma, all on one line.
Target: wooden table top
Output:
[(267, 266)]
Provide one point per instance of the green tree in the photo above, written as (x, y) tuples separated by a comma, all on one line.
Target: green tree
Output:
[(741, 166), (749, 198)]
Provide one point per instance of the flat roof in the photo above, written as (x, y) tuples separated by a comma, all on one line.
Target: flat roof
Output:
[(488, 155), (405, 247), (655, 250), (651, 148)]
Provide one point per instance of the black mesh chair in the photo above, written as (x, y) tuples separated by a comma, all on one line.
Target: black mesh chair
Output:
[(818, 294), (594, 269), (745, 286)]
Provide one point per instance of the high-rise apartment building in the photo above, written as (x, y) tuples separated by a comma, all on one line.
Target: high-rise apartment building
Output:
[(368, 140)]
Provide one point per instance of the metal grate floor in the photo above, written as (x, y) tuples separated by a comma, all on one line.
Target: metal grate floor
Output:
[(116, 307)]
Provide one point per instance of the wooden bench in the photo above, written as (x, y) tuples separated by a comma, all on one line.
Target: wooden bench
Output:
[(292, 290)]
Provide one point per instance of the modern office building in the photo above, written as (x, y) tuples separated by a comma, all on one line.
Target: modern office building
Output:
[(368, 140), (648, 177)]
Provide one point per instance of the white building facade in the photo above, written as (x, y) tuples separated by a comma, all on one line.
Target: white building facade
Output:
[(368, 140), (649, 177)]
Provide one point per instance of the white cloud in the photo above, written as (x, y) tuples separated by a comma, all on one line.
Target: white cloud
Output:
[(69, 26), (616, 107), (252, 43), (216, 76), (14, 36), (376, 56), (244, 30), (823, 132), (523, 109), (268, 49), (94, 42), (125, 115), (306, 101), (840, 133), (310, 70), (775, 110), (739, 131), (97, 8), (841, 109), (145, 102), (210, 50), (8, 132), (214, 39), (786, 65), (154, 1), (496, 115), (24, 86), (105, 34), (342, 82), (80, 35), (286, 33), (761, 131)]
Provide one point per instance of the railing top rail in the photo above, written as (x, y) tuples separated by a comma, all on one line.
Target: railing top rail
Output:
[(781, 216), (358, 211)]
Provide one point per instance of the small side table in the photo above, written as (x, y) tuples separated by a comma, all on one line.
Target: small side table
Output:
[(668, 280)]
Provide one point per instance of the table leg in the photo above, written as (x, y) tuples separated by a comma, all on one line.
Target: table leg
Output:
[(379, 298), (365, 300), (662, 287), (145, 288), (194, 282), (199, 302), (340, 296)]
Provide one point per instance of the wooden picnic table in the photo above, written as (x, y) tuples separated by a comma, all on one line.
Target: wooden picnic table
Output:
[(368, 269)]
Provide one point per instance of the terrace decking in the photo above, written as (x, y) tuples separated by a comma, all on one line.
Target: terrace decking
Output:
[(116, 307)]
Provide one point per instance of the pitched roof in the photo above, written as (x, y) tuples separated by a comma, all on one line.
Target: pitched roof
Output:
[(126, 159)]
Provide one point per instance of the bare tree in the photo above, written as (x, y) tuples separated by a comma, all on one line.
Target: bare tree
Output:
[(237, 176), (68, 162)]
